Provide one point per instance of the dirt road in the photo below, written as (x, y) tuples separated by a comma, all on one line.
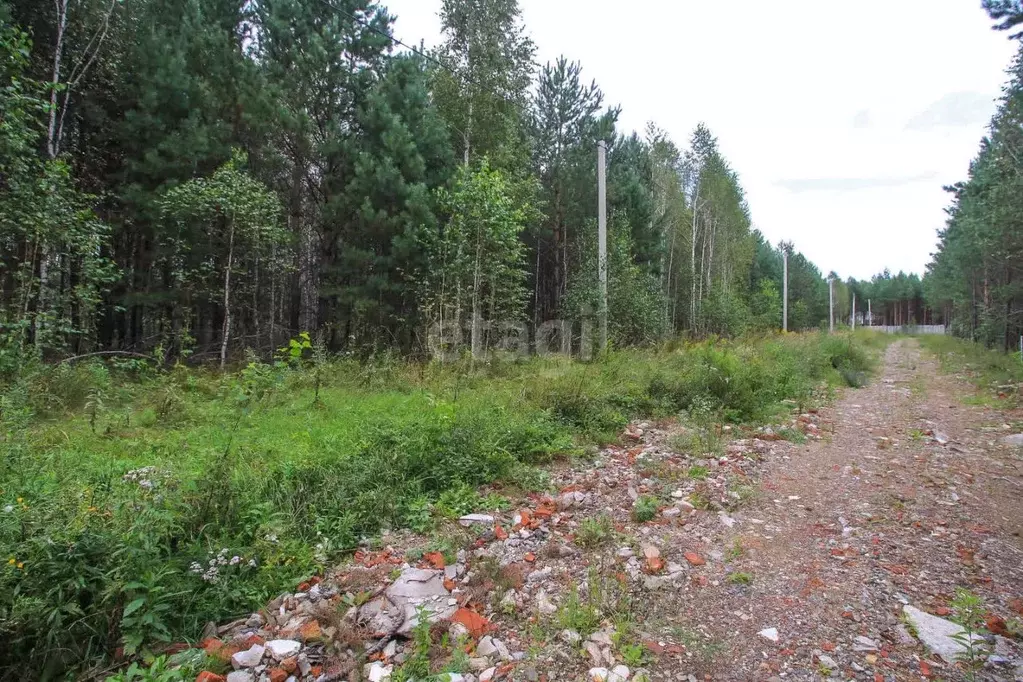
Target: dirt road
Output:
[(909, 495)]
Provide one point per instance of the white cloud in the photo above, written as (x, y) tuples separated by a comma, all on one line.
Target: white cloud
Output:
[(956, 109), (800, 91)]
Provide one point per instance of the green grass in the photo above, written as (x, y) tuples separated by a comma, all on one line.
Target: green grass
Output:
[(998, 375), (117, 479)]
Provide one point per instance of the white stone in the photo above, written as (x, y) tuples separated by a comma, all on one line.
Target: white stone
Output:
[(828, 662), (936, 634), (470, 519), (544, 604), (486, 647), (864, 644), (283, 648), (619, 673), (570, 636), (770, 634), (1016, 440), (377, 671), (488, 674), (480, 663), (249, 658), (240, 676), (458, 631)]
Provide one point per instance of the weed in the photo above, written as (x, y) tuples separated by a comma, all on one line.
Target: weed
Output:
[(495, 502), (288, 465), (792, 435), (459, 658), (969, 613), (644, 508), (458, 501), (997, 374), (739, 578), (417, 665), (603, 597), (635, 655), (741, 493), (177, 668), (735, 552), (698, 472), (595, 531), (699, 500), (581, 615), (702, 646)]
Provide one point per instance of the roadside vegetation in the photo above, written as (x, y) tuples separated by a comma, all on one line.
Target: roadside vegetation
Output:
[(998, 374), (138, 503)]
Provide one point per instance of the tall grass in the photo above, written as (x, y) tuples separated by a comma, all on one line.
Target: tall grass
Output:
[(999, 374), (123, 483)]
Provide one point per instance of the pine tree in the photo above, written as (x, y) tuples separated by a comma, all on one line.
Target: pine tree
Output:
[(1008, 14)]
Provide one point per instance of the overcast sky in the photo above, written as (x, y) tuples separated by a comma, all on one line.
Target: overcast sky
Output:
[(842, 119)]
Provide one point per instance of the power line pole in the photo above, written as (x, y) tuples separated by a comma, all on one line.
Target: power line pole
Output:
[(602, 239), (785, 288), (853, 325), (870, 315), (831, 305)]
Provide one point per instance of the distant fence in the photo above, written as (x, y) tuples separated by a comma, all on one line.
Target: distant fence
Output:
[(909, 329)]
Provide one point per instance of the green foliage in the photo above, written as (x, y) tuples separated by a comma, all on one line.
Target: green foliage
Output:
[(417, 666), (53, 262), (975, 274), (697, 472), (969, 611), (130, 532), (579, 613), (475, 267), (147, 611), (994, 372), (739, 578), (595, 531), (1009, 14), (635, 306), (645, 508), (177, 668)]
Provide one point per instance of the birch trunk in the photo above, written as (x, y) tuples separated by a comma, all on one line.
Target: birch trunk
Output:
[(226, 333)]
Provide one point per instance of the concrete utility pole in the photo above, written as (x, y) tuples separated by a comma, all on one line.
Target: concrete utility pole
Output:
[(853, 325), (870, 315), (831, 305), (785, 288), (602, 239)]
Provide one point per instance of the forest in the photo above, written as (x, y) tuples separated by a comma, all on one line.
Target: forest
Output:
[(199, 177), (976, 276)]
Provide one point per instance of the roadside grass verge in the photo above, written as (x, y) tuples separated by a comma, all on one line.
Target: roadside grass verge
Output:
[(998, 375), (138, 504)]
